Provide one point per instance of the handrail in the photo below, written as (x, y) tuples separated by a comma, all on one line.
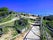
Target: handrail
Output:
[(45, 33), (51, 29), (27, 33)]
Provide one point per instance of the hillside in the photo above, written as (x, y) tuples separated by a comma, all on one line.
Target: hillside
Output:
[(50, 17), (14, 23)]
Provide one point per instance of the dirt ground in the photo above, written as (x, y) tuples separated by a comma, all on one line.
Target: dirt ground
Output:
[(21, 36), (6, 36)]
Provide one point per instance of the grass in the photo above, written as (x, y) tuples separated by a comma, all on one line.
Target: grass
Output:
[(19, 27), (5, 30), (8, 24), (14, 32), (21, 24), (30, 20), (44, 37), (51, 24), (50, 32), (10, 31), (9, 17), (44, 22)]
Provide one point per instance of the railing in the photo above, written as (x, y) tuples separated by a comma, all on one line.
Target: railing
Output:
[(44, 34), (27, 34), (49, 27)]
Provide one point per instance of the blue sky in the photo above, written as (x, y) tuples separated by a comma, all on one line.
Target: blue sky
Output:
[(41, 7)]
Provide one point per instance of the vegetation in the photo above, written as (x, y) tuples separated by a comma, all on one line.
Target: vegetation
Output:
[(9, 17), (49, 21), (31, 20), (14, 32), (4, 11), (20, 24), (5, 30), (16, 26), (50, 18)]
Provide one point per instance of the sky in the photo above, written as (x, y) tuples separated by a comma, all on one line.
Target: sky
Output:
[(40, 7)]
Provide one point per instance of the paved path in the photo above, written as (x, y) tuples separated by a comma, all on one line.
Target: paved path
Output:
[(33, 34)]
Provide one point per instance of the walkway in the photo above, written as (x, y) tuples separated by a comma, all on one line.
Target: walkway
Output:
[(33, 34)]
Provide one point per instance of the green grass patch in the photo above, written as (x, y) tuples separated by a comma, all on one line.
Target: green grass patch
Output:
[(50, 23), (31, 20), (9, 17), (14, 32), (5, 30), (9, 24), (21, 24)]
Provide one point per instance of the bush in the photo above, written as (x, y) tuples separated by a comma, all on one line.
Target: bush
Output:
[(20, 24), (5, 30)]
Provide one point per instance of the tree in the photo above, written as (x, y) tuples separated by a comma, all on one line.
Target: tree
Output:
[(3, 9), (50, 17), (21, 24)]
